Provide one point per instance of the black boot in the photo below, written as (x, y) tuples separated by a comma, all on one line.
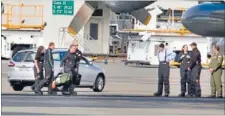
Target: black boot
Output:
[(157, 94), (73, 93), (189, 95), (181, 94), (166, 95), (219, 96), (32, 88), (197, 96), (37, 91), (71, 90)]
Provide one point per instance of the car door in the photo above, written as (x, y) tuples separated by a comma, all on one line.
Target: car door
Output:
[(86, 72)]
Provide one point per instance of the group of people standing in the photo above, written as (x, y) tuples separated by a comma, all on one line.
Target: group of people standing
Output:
[(190, 70), (44, 62)]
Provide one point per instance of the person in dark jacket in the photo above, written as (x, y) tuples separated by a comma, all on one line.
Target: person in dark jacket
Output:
[(69, 63), (49, 71), (38, 66), (195, 68), (79, 56), (184, 59)]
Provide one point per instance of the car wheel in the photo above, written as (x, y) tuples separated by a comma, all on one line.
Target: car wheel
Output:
[(99, 84), (18, 87)]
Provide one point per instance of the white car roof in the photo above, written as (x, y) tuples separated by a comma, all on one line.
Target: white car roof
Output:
[(55, 50)]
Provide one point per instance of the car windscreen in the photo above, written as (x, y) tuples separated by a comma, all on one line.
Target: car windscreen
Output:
[(19, 56)]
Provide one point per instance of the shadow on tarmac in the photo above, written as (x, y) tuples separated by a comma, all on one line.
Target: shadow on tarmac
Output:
[(118, 96)]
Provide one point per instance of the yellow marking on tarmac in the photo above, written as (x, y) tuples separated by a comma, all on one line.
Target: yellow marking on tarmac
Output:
[(72, 31), (147, 20)]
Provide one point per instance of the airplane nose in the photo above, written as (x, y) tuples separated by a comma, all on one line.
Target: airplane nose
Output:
[(188, 15), (202, 20)]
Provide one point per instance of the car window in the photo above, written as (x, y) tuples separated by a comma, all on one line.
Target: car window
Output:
[(83, 60), (30, 57), (19, 57), (58, 56)]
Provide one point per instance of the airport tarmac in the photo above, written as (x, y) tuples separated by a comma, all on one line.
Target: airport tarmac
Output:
[(128, 91)]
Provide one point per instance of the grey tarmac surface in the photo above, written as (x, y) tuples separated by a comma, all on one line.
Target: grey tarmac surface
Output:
[(128, 91)]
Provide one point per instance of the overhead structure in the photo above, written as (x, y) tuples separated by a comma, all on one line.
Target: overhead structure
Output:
[(135, 8), (16, 17), (171, 19)]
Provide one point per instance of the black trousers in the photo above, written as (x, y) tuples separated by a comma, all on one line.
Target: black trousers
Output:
[(68, 88), (195, 80), (47, 80), (163, 78), (38, 76), (185, 80)]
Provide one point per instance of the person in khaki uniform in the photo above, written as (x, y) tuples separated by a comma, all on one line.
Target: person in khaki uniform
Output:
[(215, 69)]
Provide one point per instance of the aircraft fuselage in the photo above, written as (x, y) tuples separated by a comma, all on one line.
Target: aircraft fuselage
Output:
[(205, 19)]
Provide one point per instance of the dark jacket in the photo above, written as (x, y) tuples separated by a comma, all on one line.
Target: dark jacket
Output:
[(48, 59), (184, 59), (69, 60), (195, 58)]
